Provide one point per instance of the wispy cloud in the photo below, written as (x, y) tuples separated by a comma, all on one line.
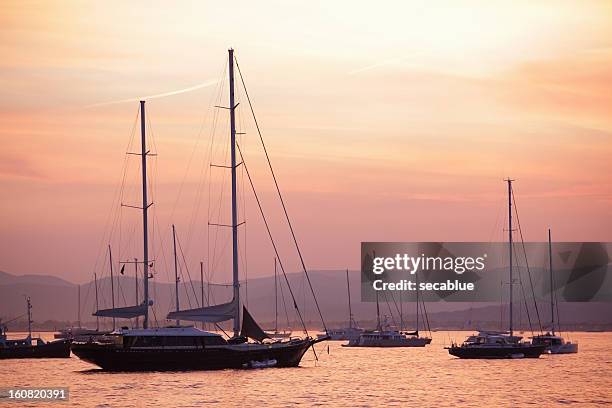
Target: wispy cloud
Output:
[(376, 65), (160, 95)]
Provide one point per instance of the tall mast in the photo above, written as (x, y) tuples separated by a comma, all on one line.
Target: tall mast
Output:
[(176, 278), (275, 300), (510, 245), (79, 306), (145, 207), (552, 301), (110, 260), (232, 108), (97, 308), (136, 285), (348, 288)]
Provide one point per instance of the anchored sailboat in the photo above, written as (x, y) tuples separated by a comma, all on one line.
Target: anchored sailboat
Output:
[(498, 344), (190, 348), (384, 336), (555, 344), (353, 331)]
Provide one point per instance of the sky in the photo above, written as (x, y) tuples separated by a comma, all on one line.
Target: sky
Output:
[(384, 121)]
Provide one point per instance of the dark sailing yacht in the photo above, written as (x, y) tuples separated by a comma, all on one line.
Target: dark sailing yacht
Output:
[(190, 348), (554, 343), (31, 347), (495, 344)]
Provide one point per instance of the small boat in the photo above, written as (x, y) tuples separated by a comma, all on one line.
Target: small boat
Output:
[(30, 347), (383, 336), (554, 343), (495, 344), (79, 333), (353, 331), (388, 338)]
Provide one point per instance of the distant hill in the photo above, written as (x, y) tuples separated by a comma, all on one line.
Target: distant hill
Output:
[(54, 303), (8, 279)]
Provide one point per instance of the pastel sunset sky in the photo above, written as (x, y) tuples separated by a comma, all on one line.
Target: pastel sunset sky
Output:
[(385, 121)]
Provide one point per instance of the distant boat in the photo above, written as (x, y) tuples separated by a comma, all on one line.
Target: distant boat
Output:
[(384, 336), (78, 332), (554, 343), (495, 344), (31, 347), (190, 348), (353, 331)]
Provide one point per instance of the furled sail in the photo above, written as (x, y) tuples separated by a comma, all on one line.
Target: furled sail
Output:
[(209, 314), (128, 312), (250, 328)]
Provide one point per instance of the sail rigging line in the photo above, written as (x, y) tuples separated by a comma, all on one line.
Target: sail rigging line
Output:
[(426, 317), (265, 220), (390, 311), (518, 222), (224, 184), (193, 151), (558, 315), (205, 173), (523, 292), (178, 241), (280, 196), (111, 216), (396, 306), (242, 243), (280, 284)]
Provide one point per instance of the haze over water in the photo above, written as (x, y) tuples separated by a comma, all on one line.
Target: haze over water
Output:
[(345, 377)]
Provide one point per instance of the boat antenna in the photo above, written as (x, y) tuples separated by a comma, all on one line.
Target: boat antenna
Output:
[(29, 317), (275, 299), (136, 285), (510, 245), (79, 306), (202, 286), (417, 302), (110, 261), (552, 301), (176, 277)]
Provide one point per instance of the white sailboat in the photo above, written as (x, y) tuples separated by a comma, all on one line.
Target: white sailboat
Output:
[(353, 331), (555, 344)]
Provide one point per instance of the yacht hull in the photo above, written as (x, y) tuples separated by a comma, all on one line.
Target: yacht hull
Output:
[(53, 349), (116, 358), (515, 351), (567, 348), (414, 342)]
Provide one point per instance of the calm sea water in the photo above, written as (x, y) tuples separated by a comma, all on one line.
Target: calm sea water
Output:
[(344, 377)]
